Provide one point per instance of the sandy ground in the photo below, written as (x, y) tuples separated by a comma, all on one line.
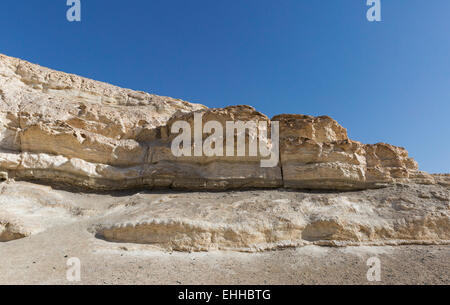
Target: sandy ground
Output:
[(42, 260), (59, 224)]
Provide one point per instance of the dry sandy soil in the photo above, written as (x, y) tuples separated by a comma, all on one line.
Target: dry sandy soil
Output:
[(43, 227)]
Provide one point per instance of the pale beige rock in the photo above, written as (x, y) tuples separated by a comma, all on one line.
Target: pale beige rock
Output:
[(55, 225), (317, 154), (62, 128), (248, 221), (442, 179), (215, 172)]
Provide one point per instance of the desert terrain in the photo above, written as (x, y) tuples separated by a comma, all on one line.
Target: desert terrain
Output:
[(88, 172)]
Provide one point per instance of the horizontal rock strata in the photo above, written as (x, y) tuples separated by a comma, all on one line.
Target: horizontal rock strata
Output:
[(316, 153), (251, 220), (268, 219), (62, 128)]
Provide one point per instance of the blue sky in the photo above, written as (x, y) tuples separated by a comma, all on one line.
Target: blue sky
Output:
[(385, 82)]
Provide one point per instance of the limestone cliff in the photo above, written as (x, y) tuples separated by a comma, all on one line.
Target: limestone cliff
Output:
[(62, 128), (316, 153)]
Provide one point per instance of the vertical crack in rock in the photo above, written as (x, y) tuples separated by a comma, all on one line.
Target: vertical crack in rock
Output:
[(3, 97)]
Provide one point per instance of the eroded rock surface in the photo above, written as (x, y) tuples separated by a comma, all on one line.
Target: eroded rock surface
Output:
[(9, 232), (248, 221), (62, 128), (316, 153), (268, 220)]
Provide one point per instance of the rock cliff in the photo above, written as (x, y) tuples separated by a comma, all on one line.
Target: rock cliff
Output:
[(62, 128)]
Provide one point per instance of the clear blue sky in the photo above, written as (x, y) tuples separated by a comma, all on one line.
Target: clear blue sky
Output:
[(384, 82)]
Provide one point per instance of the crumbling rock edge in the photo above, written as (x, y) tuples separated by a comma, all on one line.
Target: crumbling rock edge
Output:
[(188, 238), (9, 232)]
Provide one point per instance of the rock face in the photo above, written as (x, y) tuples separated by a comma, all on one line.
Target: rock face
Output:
[(209, 172), (62, 128), (250, 221), (442, 179), (316, 153)]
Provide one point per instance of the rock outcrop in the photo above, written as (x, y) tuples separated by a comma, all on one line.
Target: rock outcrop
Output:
[(442, 179), (250, 221), (62, 128), (316, 153)]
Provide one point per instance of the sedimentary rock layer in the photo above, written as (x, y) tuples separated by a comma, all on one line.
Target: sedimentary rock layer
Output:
[(252, 220), (62, 128), (316, 153), (267, 220)]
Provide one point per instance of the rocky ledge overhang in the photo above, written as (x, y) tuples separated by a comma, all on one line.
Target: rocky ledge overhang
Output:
[(60, 128)]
